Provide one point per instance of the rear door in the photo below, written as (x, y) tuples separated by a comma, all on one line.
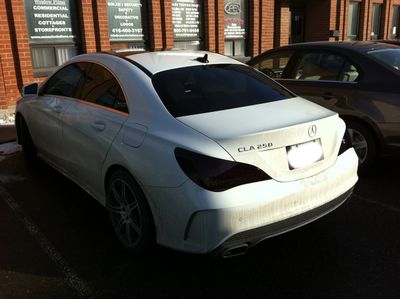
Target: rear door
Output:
[(326, 78), (91, 124), (54, 99)]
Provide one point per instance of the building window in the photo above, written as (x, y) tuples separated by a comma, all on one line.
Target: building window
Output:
[(376, 21), (53, 33), (235, 27), (394, 33), (127, 24), (187, 20), (354, 19)]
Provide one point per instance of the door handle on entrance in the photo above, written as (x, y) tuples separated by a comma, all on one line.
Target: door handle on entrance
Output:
[(98, 125)]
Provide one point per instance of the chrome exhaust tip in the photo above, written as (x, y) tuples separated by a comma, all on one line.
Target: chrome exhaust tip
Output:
[(235, 251)]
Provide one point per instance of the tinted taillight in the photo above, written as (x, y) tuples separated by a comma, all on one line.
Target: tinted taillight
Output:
[(215, 174), (346, 143)]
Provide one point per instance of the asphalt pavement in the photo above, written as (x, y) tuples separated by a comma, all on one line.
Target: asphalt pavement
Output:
[(56, 242)]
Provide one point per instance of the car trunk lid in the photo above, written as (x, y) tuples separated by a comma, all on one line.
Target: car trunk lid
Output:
[(288, 139)]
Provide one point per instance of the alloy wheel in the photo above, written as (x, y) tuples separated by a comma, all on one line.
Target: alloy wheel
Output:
[(359, 143), (125, 212)]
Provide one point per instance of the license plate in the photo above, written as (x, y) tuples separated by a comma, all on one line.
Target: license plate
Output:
[(304, 154)]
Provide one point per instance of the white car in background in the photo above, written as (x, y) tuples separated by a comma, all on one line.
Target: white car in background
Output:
[(191, 150)]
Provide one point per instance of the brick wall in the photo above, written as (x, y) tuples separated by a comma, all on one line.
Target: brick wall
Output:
[(282, 23), (261, 37), (254, 29), (267, 28), (318, 19), (161, 30), (156, 25), (101, 25), (15, 59), (220, 26), (8, 75), (210, 25), (88, 35), (269, 25)]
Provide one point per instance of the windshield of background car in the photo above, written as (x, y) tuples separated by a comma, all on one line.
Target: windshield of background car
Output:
[(208, 88), (390, 57)]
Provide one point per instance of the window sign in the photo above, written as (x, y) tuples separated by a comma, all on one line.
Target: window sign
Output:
[(125, 20), (235, 20), (186, 19), (235, 27), (51, 21)]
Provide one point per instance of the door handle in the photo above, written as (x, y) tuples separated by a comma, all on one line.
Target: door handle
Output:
[(57, 109), (98, 125), (328, 96)]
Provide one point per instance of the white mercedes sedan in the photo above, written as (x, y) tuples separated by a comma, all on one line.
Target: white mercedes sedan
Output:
[(194, 151)]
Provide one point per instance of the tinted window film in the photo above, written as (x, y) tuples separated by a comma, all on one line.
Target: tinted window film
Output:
[(102, 88), (325, 66), (67, 81), (274, 65), (389, 57), (200, 89)]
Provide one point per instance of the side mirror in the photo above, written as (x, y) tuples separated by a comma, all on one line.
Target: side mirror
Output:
[(30, 89)]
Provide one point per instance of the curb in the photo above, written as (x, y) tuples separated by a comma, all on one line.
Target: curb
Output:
[(8, 133)]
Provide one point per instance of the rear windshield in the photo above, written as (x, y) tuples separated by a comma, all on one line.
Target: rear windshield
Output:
[(390, 57), (201, 89)]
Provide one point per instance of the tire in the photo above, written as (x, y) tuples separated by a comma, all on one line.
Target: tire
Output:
[(28, 147), (129, 213), (364, 144)]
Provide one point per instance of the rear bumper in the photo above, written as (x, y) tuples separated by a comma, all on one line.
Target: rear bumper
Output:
[(192, 219), (250, 238)]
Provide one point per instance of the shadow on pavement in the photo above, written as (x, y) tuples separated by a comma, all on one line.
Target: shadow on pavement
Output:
[(350, 253)]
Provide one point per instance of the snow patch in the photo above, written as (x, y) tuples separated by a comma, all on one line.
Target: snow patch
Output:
[(7, 119), (9, 148)]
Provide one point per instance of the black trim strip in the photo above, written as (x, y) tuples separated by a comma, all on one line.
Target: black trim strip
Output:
[(141, 67), (123, 55), (255, 236)]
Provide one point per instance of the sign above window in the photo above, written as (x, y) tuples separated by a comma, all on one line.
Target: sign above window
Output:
[(125, 20), (51, 21), (186, 19), (235, 19)]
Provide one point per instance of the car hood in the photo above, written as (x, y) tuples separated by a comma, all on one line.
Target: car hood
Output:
[(261, 135)]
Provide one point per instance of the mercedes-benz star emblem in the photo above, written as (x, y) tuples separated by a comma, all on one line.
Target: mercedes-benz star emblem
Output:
[(312, 131)]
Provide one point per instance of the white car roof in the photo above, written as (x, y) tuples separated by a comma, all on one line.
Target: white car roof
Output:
[(156, 62)]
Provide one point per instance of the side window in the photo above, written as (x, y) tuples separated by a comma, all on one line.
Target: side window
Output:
[(274, 64), (325, 66), (102, 88), (67, 81)]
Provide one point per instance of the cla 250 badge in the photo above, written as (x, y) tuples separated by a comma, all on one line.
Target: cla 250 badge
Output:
[(258, 147)]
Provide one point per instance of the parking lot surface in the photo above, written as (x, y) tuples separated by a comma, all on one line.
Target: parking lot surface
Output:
[(56, 242)]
